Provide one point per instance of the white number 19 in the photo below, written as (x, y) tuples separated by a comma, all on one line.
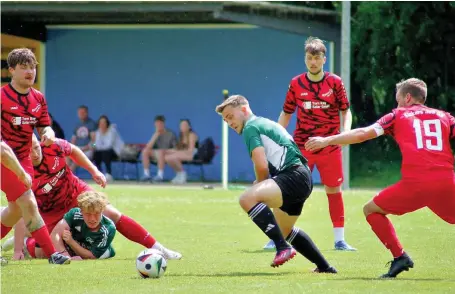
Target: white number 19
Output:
[(429, 134)]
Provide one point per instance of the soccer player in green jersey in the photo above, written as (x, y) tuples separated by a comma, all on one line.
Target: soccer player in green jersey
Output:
[(84, 232), (283, 181)]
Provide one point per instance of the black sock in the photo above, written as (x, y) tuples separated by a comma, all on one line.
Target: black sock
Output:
[(305, 246), (263, 217)]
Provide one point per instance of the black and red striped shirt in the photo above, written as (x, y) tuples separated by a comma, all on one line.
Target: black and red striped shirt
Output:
[(21, 113), (318, 105), (54, 184)]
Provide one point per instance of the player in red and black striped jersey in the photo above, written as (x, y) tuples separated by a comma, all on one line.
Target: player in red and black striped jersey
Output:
[(23, 108), (427, 177), (319, 97)]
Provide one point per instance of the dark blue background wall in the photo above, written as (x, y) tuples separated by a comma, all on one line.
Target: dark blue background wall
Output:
[(134, 74)]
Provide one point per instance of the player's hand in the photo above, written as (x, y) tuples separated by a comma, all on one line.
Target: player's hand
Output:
[(67, 237), (48, 138), (18, 255), (76, 258), (316, 143), (99, 178), (26, 179)]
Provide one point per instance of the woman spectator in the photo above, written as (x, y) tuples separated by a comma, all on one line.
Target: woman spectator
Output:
[(106, 146), (185, 150)]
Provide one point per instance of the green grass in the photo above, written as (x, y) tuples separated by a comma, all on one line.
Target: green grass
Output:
[(223, 252)]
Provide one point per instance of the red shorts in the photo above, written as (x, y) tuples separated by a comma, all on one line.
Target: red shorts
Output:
[(51, 219), (330, 166), (11, 185), (407, 196)]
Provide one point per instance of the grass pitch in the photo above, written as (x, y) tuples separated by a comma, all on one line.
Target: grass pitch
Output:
[(223, 252)]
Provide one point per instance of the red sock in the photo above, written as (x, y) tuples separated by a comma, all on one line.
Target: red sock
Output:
[(336, 209), (44, 240), (4, 230), (385, 231), (31, 245), (134, 231)]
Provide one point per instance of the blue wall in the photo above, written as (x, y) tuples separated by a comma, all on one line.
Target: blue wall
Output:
[(134, 74)]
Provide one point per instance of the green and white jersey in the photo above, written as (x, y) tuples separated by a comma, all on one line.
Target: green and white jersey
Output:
[(99, 242), (280, 148)]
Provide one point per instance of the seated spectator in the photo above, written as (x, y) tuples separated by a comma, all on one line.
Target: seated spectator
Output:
[(106, 147), (57, 128), (84, 134), (186, 150), (162, 142)]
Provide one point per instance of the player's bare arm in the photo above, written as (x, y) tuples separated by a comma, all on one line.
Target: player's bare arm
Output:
[(346, 120), (57, 236), (47, 135), (261, 168), (78, 249), (284, 119), (9, 160), (351, 137), (83, 161)]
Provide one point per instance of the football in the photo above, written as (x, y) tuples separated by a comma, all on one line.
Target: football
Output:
[(150, 263)]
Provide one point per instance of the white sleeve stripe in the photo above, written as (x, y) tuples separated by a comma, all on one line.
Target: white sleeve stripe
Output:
[(378, 129)]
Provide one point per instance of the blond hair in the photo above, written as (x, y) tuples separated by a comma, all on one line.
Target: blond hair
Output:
[(234, 101), (92, 201), (415, 87), (315, 46)]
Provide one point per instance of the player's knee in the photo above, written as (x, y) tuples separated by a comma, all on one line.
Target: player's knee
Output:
[(112, 213), (247, 201)]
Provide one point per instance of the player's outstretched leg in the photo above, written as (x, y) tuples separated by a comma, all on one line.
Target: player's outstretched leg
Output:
[(133, 231), (385, 231), (256, 202)]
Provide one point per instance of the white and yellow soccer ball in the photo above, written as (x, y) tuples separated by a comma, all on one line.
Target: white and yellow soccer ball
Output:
[(150, 263)]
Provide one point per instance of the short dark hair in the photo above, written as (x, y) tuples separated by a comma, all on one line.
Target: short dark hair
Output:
[(315, 46), (160, 118), (21, 56), (83, 107), (108, 122)]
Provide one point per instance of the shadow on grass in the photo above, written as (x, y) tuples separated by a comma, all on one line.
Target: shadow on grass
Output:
[(232, 274)]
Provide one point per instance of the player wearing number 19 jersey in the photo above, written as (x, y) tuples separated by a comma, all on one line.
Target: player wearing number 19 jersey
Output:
[(428, 180)]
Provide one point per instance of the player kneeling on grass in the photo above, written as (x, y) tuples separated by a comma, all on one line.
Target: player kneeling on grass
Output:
[(84, 232), (274, 152)]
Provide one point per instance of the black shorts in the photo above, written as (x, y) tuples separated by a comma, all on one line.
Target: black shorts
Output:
[(296, 186)]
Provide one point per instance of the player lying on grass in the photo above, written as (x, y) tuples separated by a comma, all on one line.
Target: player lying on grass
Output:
[(274, 152), (57, 188), (84, 232), (423, 135)]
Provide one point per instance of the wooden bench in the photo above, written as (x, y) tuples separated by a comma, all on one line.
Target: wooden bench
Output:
[(136, 161)]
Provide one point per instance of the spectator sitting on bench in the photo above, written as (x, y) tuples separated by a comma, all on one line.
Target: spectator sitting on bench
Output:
[(186, 150), (106, 146), (162, 142)]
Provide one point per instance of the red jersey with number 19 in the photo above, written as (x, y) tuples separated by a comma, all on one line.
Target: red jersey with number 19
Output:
[(423, 135), (318, 105)]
